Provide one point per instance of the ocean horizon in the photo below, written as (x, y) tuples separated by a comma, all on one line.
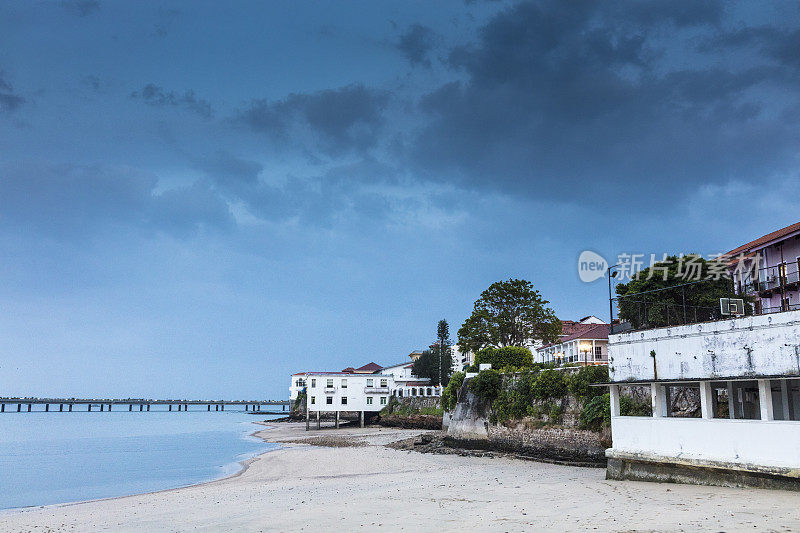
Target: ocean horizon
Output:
[(53, 458)]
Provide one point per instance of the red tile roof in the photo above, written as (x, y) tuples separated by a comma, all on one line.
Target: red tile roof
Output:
[(594, 331), (370, 367), (766, 239)]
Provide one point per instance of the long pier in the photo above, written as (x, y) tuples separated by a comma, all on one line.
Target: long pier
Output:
[(61, 405)]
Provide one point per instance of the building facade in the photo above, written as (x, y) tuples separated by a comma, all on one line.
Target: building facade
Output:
[(585, 344), (768, 270)]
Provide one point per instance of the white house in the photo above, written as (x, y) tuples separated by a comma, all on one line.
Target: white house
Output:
[(361, 390), (337, 392), (746, 374), (588, 345)]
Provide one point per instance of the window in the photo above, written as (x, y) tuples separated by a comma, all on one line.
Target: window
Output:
[(344, 383), (413, 392), (370, 382), (383, 400), (313, 382), (428, 391), (329, 383), (598, 351), (344, 400), (384, 383), (369, 400), (329, 400), (313, 400)]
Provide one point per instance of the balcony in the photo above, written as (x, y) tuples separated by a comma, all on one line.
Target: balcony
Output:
[(329, 390), (376, 390)]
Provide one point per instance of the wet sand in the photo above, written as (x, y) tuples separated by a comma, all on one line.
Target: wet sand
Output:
[(349, 481)]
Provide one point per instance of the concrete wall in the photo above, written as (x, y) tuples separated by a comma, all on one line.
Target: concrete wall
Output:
[(737, 442), (767, 345)]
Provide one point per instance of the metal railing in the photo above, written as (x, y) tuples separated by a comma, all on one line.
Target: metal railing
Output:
[(772, 278)]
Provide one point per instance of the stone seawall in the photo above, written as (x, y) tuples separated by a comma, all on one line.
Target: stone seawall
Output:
[(558, 443)]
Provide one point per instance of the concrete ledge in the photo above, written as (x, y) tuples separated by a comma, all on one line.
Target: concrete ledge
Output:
[(640, 467)]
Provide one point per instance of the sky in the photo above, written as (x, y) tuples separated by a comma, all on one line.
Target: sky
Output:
[(199, 198)]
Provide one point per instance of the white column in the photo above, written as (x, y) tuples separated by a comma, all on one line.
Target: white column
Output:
[(706, 400), (614, 394), (765, 399), (594, 356), (731, 403), (658, 397), (785, 399)]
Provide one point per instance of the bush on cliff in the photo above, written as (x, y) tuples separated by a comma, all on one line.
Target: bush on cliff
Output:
[(549, 384), (580, 383), (486, 385), (507, 356), (596, 413), (450, 392)]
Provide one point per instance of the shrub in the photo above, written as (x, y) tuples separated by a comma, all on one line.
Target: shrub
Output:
[(549, 384), (580, 383), (486, 384), (596, 413), (508, 356), (450, 392)]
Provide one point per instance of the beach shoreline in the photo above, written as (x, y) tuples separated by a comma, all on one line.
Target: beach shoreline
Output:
[(355, 481)]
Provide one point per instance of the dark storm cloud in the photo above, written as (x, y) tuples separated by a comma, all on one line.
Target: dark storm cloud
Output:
[(156, 96), (77, 200), (344, 119), (9, 100), (584, 100), (416, 43), (782, 45)]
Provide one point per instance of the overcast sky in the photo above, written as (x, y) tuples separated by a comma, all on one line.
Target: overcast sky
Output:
[(199, 198)]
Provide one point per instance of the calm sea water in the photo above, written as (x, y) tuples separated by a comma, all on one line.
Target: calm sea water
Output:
[(48, 458)]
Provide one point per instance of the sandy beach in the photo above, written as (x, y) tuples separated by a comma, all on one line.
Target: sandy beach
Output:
[(360, 484)]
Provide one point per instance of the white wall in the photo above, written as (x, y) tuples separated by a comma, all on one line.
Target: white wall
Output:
[(767, 345), (355, 392), (756, 442)]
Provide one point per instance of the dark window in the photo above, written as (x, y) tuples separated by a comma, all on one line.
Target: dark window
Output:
[(598, 351), (329, 400), (344, 400)]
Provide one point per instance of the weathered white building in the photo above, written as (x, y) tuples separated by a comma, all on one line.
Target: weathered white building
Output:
[(746, 374)]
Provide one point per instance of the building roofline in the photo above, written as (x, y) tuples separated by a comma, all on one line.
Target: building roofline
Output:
[(766, 240)]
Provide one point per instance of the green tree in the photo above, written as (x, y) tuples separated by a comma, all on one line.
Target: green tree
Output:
[(444, 351), (427, 366), (436, 364), (666, 306), (508, 313)]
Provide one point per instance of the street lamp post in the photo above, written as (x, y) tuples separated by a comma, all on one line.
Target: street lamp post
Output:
[(610, 301), (585, 352)]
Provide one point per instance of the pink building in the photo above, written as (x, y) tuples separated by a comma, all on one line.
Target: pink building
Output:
[(768, 269)]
